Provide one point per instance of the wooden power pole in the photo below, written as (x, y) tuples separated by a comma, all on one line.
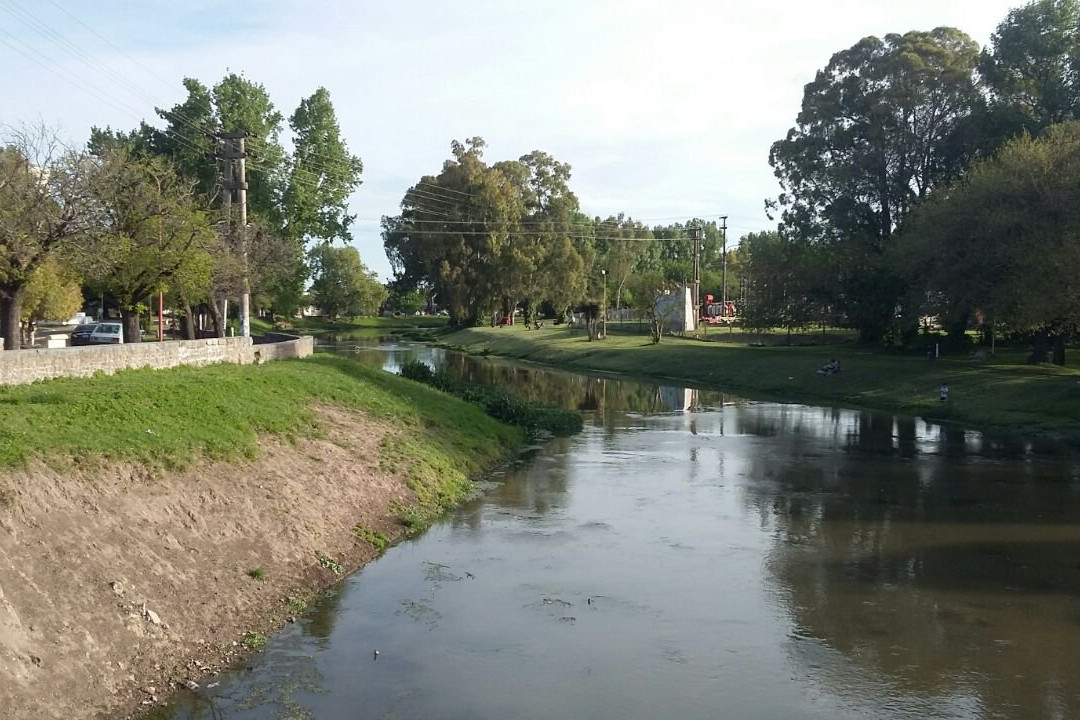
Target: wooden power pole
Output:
[(695, 235), (723, 290), (235, 157)]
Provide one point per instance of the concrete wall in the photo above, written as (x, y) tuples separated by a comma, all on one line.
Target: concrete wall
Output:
[(677, 308), (18, 367)]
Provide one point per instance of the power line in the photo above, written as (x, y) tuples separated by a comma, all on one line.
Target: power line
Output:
[(432, 193), (44, 30), (178, 118), (69, 77), (110, 44), (446, 189), (94, 91), (430, 198), (526, 234), (610, 225)]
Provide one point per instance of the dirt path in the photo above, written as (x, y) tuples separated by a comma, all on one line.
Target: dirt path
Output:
[(118, 584)]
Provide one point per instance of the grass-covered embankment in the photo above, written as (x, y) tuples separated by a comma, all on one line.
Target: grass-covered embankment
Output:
[(1003, 393), (157, 524), (358, 327), (168, 418)]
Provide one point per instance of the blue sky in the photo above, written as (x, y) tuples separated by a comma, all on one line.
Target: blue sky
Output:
[(665, 109)]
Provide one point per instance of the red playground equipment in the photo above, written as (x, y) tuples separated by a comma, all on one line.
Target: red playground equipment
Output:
[(717, 313)]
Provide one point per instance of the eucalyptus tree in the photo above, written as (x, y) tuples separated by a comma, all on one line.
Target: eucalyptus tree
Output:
[(1031, 69), (485, 237), (878, 130)]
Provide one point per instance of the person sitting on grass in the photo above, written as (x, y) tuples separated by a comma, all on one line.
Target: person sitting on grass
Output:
[(830, 368)]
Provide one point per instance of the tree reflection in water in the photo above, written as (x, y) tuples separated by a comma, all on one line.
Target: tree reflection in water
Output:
[(946, 576)]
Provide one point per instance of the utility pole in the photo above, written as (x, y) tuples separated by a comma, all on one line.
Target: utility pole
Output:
[(236, 181), (696, 235), (603, 307), (723, 291)]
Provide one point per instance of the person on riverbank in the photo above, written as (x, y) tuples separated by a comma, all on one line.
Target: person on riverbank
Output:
[(830, 368), (944, 392)]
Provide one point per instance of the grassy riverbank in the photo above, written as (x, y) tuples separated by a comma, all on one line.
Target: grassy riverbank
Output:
[(357, 327), (1003, 393), (168, 418), (157, 525)]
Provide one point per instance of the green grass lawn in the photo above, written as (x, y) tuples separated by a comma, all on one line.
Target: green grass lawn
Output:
[(1003, 393), (165, 418), (318, 325)]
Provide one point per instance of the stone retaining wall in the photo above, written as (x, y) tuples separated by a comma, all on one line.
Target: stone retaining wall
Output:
[(18, 367)]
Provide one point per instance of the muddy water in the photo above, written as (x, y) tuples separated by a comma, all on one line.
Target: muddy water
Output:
[(695, 555)]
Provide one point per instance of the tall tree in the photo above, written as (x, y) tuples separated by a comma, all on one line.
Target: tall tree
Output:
[(622, 245), (343, 285), (481, 235), (1032, 68), (877, 131), (454, 229), (187, 136), (245, 106), (782, 286), (543, 264), (46, 209), (1003, 242), (156, 230), (322, 174)]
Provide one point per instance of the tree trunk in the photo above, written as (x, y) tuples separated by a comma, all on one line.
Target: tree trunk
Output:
[(29, 333), (189, 322), (215, 315), (10, 310), (132, 328), (1058, 356), (1041, 352)]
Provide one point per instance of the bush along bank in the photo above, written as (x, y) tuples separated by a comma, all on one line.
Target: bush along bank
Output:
[(536, 420)]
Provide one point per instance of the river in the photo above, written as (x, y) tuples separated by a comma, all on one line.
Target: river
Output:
[(697, 555)]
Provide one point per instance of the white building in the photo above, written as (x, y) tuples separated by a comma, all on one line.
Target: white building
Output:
[(676, 307)]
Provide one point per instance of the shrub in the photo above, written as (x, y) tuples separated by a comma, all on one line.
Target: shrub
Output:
[(498, 403)]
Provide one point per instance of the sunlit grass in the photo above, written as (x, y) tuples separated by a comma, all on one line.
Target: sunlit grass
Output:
[(168, 417)]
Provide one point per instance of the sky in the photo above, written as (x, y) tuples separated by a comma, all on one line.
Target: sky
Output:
[(665, 109)]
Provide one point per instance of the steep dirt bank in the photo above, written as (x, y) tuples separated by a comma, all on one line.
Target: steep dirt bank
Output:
[(118, 583)]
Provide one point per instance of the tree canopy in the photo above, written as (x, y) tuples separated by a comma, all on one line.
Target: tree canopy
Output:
[(343, 285), (877, 132)]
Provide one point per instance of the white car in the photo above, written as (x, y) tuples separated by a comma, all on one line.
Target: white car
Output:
[(107, 333)]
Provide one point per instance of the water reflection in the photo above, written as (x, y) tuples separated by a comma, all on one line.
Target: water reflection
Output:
[(696, 555), (950, 577), (573, 391)]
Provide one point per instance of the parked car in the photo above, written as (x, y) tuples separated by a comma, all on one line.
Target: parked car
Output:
[(81, 335), (107, 333)]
